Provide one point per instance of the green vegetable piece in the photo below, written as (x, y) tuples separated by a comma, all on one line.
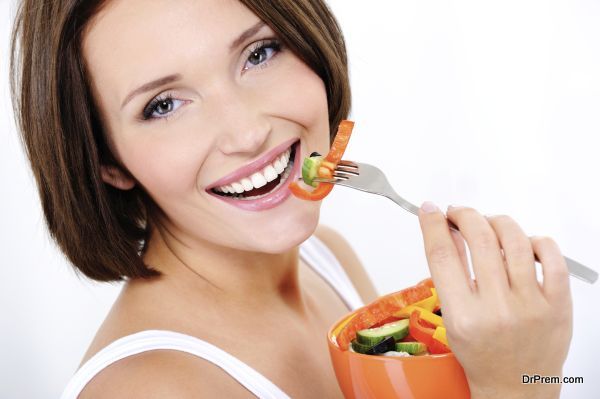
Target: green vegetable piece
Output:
[(372, 336), (310, 167), (413, 348), (388, 344), (358, 347)]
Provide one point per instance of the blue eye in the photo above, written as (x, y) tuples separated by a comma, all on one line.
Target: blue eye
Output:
[(161, 107), (262, 51), (164, 105)]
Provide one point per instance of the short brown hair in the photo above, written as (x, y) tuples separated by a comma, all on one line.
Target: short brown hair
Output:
[(103, 230)]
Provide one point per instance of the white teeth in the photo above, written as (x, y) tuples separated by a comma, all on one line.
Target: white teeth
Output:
[(247, 184), (238, 188), (270, 173), (278, 166), (261, 178), (258, 180), (284, 177)]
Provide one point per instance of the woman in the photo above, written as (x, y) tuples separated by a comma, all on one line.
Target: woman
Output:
[(142, 119)]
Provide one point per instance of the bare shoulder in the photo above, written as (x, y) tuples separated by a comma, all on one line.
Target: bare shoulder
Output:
[(343, 251), (163, 374)]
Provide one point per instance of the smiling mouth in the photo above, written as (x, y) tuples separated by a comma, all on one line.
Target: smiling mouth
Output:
[(263, 182)]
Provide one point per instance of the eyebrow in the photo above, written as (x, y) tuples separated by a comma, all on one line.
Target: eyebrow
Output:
[(151, 86), (175, 77), (247, 34)]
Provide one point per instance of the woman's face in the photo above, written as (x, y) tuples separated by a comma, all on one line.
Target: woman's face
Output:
[(186, 104)]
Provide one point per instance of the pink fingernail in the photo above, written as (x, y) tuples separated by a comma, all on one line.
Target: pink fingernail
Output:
[(429, 207)]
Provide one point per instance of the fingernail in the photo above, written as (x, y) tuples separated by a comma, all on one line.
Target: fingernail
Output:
[(450, 207), (429, 207)]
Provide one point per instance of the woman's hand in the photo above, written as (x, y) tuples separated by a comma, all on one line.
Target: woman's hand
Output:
[(504, 323)]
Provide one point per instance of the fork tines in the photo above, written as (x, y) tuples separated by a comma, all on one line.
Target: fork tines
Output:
[(348, 163), (346, 169), (343, 171)]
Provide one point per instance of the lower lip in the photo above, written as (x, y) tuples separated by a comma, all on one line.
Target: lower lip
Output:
[(274, 198)]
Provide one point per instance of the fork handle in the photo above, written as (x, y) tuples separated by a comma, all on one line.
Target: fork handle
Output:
[(576, 269)]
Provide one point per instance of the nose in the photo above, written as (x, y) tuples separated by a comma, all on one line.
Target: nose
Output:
[(244, 127)]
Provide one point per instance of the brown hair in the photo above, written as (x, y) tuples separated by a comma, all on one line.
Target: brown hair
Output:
[(102, 230)]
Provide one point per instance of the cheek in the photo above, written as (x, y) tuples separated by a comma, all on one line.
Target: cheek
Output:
[(302, 99), (165, 165)]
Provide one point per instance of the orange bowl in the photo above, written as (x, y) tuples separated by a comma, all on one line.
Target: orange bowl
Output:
[(387, 377)]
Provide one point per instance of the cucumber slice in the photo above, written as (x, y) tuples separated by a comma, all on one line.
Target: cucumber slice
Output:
[(371, 336), (310, 167), (388, 344), (414, 348), (358, 347)]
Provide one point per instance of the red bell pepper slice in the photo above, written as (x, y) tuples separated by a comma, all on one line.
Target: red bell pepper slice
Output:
[(340, 142), (379, 310), (322, 190), (332, 158), (428, 282), (423, 333)]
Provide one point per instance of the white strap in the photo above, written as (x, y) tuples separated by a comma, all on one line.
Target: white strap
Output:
[(316, 255), (160, 339), (324, 262)]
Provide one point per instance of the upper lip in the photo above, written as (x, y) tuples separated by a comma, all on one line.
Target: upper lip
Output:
[(254, 166)]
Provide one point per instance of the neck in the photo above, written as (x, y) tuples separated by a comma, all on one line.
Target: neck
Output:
[(206, 272)]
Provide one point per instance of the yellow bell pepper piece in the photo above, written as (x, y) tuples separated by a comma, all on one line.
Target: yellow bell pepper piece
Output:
[(437, 299), (429, 303), (440, 335), (424, 315)]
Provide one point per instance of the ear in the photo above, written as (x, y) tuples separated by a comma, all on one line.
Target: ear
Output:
[(114, 176)]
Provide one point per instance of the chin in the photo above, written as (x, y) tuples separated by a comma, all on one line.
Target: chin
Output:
[(288, 231)]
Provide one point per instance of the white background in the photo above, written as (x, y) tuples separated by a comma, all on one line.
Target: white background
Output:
[(493, 105)]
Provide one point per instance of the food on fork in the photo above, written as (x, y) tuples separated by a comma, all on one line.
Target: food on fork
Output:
[(311, 168), (403, 323), (316, 165)]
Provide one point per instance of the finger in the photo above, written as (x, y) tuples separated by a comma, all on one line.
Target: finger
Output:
[(518, 252), (442, 257), (461, 248), (554, 267), (486, 257)]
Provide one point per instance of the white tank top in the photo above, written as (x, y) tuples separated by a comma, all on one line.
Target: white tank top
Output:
[(312, 251)]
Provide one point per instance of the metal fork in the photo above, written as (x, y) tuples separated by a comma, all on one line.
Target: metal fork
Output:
[(365, 177)]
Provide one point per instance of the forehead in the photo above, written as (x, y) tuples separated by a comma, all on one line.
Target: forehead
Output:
[(142, 39)]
